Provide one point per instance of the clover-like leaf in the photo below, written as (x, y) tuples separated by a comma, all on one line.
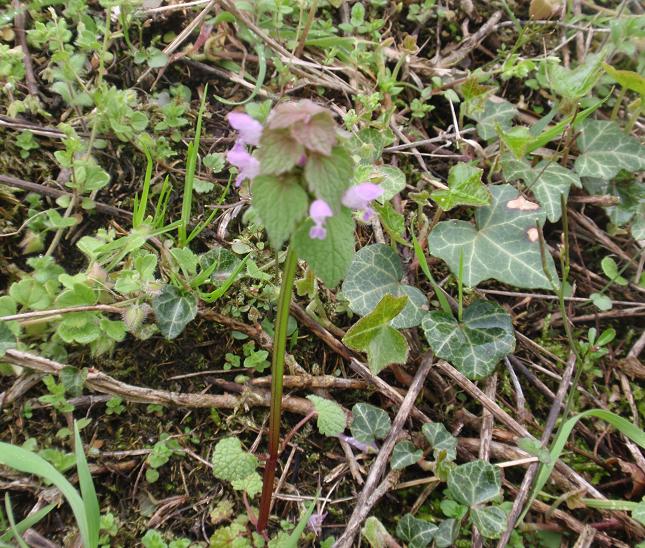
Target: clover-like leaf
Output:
[(369, 423), (465, 187), (547, 180), (474, 482), (503, 244), (174, 310), (446, 533), (404, 454), (374, 335), (328, 177), (232, 463), (441, 441), (281, 204), (374, 272), (475, 345), (331, 417), (605, 149), (489, 520), (496, 113), (417, 533), (30, 294), (7, 339)]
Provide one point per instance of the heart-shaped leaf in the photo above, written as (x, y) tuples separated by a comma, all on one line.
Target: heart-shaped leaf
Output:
[(503, 244), (391, 179), (404, 454), (441, 441), (474, 482), (328, 177), (418, 533), (376, 271), (495, 114), (369, 423), (331, 417), (464, 188), (489, 520), (174, 310), (475, 345)]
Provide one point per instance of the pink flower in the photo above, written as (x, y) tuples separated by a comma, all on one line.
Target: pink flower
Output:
[(248, 166), (319, 211), (360, 196), (250, 130)]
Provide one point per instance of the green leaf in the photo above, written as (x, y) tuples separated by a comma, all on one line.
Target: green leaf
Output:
[(252, 484), (374, 335), (329, 258), (328, 177), (369, 423), (376, 271), (375, 533), (474, 482), (278, 152), (404, 454), (446, 533), (627, 78), (517, 139), (418, 533), (601, 302), (574, 83), (489, 520), (441, 441), (331, 417), (464, 188), (232, 463), (503, 244), (605, 149), (281, 204), (391, 179), (30, 294), (547, 180), (638, 513), (7, 339), (475, 345), (495, 114), (610, 269), (78, 295), (174, 310)]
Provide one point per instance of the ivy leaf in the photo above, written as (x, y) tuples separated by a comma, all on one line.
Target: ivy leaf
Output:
[(489, 520), (328, 177), (232, 463), (369, 423), (474, 482), (174, 310), (375, 533), (374, 335), (226, 262), (281, 203), (475, 345), (391, 179), (606, 149), (418, 533), (547, 180), (404, 454), (446, 533), (376, 271), (441, 441), (7, 339), (464, 188), (495, 114), (331, 417), (503, 245)]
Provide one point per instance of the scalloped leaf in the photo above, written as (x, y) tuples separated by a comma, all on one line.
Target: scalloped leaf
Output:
[(331, 417), (474, 482), (369, 423)]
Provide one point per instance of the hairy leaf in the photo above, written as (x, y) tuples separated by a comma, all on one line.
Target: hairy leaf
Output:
[(328, 177), (331, 417)]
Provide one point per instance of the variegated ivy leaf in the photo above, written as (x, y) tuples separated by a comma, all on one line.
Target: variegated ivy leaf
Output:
[(404, 454), (547, 181), (464, 188), (174, 310), (446, 533), (331, 417), (474, 482), (605, 149), (489, 520), (391, 179), (369, 423), (496, 114), (441, 441), (376, 271), (477, 343), (503, 244), (417, 533)]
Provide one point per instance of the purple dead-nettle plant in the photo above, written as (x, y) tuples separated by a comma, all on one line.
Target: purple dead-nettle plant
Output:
[(319, 211), (361, 196)]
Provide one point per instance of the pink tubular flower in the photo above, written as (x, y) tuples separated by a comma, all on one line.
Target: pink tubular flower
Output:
[(319, 211), (247, 165), (360, 196), (250, 130)]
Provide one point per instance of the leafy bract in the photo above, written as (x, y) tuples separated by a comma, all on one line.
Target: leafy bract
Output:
[(503, 244), (474, 482), (374, 335), (331, 417), (489, 520), (404, 454), (605, 149), (465, 187), (374, 272), (475, 345), (369, 423), (174, 310), (441, 441), (417, 533)]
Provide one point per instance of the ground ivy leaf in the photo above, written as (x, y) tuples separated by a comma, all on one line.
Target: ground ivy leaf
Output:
[(369, 423), (7, 339), (329, 258), (418, 533), (440, 440), (281, 204), (373, 334), (231, 462), (474, 482), (226, 261), (503, 244), (464, 188), (328, 177), (174, 310), (404, 454), (331, 417), (475, 345), (489, 520), (278, 152), (446, 533), (374, 272), (605, 149), (547, 180), (496, 113)]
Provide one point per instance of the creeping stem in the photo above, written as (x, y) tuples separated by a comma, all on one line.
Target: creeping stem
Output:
[(277, 373)]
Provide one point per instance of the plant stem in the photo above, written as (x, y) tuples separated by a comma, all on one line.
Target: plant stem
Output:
[(277, 373)]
